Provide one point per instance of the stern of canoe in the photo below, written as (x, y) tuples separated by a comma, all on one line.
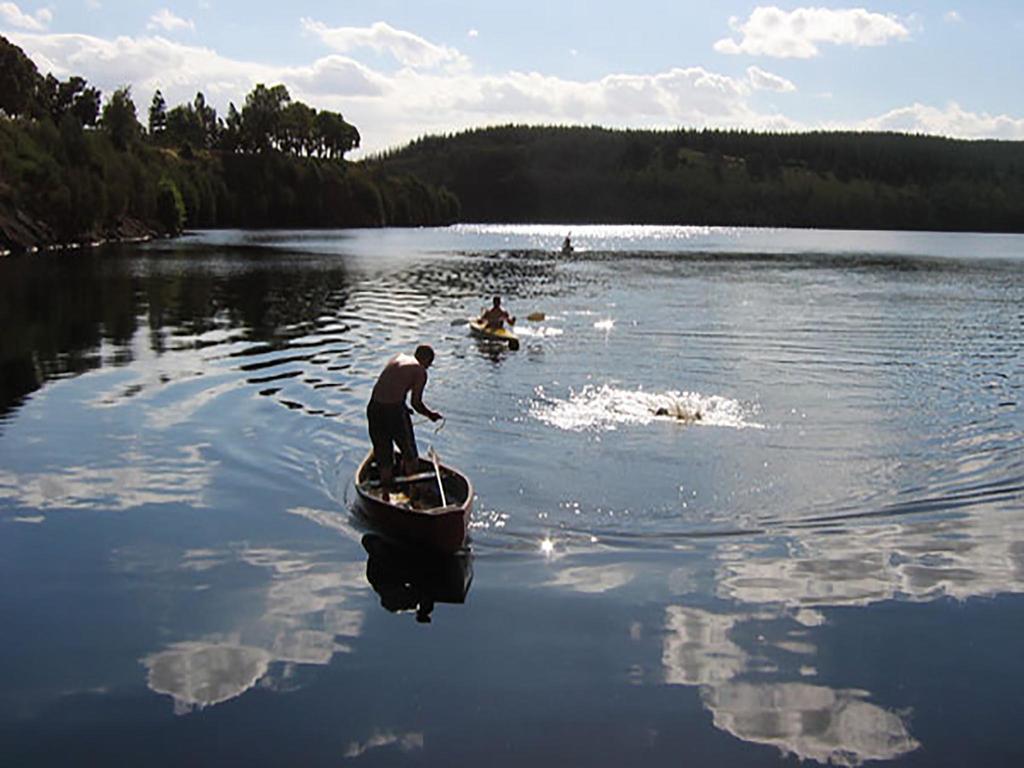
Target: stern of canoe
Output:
[(424, 521)]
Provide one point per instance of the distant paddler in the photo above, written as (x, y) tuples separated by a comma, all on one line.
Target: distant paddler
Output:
[(567, 245), (491, 325), (494, 319), (388, 416)]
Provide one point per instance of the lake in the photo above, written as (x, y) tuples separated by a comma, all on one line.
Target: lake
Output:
[(816, 552)]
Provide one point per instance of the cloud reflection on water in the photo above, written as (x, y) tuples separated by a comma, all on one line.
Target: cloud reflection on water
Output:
[(407, 742), (201, 674), (810, 721), (304, 615), (813, 722), (973, 554), (182, 477), (593, 579)]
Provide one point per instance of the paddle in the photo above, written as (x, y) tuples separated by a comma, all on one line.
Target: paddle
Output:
[(533, 317), (437, 473)]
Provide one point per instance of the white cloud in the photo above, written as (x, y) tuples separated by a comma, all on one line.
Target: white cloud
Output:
[(12, 15), (796, 34), (952, 17), (766, 81), (473, 33), (147, 63), (394, 108), (167, 21), (952, 121), (410, 50), (336, 75)]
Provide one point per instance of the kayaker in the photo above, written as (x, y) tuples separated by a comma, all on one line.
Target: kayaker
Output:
[(388, 416), (496, 316)]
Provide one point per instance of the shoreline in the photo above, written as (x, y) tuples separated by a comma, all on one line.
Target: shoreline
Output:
[(22, 235), (76, 246)]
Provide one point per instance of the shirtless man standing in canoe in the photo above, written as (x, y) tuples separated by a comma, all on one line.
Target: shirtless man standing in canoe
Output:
[(388, 416), (496, 316)]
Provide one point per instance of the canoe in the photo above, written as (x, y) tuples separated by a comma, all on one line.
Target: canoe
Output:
[(425, 522), (501, 335)]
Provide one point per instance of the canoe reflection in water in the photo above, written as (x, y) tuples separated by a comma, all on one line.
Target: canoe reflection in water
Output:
[(409, 579)]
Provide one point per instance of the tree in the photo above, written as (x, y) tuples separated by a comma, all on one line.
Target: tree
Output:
[(230, 138), (184, 128), (206, 118), (19, 79), (157, 115), (170, 207), (298, 124), (119, 118), (85, 106), (261, 116), (334, 136), (69, 97)]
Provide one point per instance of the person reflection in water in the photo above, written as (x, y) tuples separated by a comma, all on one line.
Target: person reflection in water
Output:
[(496, 316), (400, 596), (414, 580), (388, 416)]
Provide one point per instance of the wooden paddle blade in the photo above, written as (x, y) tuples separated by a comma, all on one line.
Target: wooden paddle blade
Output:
[(536, 317)]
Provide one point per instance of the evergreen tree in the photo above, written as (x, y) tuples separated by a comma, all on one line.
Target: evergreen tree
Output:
[(119, 118), (157, 115)]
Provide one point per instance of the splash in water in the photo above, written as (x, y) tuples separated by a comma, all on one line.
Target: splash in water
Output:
[(538, 332), (607, 407)]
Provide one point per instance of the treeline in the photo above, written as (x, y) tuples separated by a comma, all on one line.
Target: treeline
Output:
[(714, 177), (75, 168), (269, 120)]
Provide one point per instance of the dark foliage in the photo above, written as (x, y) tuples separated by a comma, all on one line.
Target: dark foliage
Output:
[(71, 171), (819, 179)]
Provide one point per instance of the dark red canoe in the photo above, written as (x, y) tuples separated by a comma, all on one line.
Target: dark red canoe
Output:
[(429, 521)]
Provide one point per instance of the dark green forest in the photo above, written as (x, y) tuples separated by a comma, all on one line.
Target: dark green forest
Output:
[(714, 177), (74, 168)]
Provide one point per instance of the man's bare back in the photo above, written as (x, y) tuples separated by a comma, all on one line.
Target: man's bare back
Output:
[(402, 374)]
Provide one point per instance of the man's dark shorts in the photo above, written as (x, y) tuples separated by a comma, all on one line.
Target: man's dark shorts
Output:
[(390, 425)]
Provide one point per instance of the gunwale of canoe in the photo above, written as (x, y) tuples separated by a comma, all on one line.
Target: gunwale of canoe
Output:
[(439, 528)]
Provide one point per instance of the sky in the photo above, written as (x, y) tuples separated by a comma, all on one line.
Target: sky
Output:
[(400, 70)]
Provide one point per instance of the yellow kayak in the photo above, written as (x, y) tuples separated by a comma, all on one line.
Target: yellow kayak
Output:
[(504, 335)]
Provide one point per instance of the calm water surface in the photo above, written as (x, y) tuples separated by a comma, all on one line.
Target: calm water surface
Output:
[(817, 555)]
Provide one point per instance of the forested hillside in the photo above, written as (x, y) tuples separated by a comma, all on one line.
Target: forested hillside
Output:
[(821, 179), (76, 169)]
